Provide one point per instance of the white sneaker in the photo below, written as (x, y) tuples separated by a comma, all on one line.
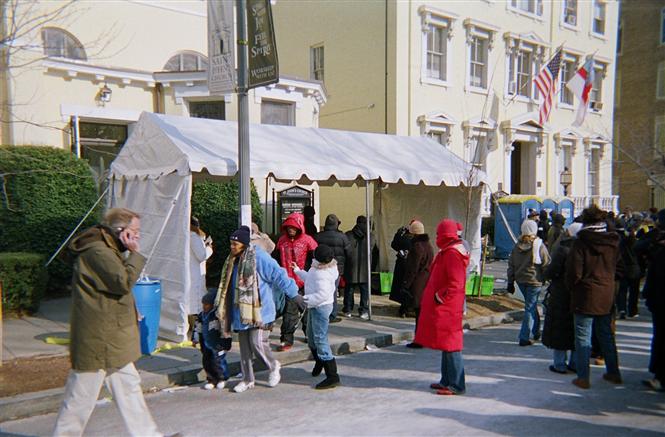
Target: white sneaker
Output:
[(364, 316), (221, 385), (243, 386), (275, 376), (208, 386)]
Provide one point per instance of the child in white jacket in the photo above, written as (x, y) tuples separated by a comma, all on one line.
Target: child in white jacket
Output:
[(320, 292)]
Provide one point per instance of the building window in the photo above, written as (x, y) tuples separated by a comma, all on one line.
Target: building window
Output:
[(478, 55), (662, 26), (282, 113), (100, 144), (522, 67), (568, 70), (596, 94), (316, 64), (534, 7), (598, 25), (570, 13), (593, 188), (215, 110), (437, 52), (659, 140), (58, 43), (187, 61)]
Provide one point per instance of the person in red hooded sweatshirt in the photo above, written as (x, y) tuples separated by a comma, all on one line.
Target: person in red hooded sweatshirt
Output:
[(294, 246), (442, 307)]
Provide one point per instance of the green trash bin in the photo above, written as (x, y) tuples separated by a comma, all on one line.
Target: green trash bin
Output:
[(386, 281)]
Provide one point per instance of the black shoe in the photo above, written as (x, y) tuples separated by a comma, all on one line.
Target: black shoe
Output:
[(622, 315), (555, 370), (414, 346), (536, 336), (526, 343), (332, 378), (335, 320)]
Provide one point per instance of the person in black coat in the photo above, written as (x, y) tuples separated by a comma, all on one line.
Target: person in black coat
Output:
[(332, 237), (629, 286), (401, 244), (559, 327)]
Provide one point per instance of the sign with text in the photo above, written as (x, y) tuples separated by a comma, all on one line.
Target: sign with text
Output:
[(221, 48), (263, 64)]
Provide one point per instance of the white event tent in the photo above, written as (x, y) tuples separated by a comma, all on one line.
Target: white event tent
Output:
[(152, 175)]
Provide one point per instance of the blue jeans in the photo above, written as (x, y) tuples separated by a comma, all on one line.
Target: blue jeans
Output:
[(317, 331), (452, 371), (364, 297), (559, 358), (583, 331), (531, 320)]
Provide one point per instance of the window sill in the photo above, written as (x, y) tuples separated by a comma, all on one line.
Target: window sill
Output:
[(599, 113), (564, 25), (599, 36), (476, 90), (531, 15), (432, 81), (567, 106), (521, 99)]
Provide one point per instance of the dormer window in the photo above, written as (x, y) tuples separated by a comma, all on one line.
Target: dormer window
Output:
[(59, 43)]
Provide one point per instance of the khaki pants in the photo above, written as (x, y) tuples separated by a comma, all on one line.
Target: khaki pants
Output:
[(82, 391)]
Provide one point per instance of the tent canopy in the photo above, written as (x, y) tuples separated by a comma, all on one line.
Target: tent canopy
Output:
[(167, 144)]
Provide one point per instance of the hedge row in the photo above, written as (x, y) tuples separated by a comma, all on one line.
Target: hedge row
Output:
[(23, 280)]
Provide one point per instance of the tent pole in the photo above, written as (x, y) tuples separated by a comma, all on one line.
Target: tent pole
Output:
[(369, 251)]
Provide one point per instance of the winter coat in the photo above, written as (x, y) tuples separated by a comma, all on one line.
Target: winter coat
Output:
[(401, 244), (555, 232), (332, 237), (590, 272), (559, 327), (262, 240), (198, 254), (521, 268), (417, 269), (320, 283), (356, 270), (104, 329), (440, 324), (631, 264), (295, 250), (653, 248), (208, 332)]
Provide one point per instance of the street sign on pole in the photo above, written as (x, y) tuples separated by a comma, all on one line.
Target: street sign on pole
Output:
[(263, 63), (221, 48)]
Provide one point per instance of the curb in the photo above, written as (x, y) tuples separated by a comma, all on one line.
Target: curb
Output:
[(48, 401)]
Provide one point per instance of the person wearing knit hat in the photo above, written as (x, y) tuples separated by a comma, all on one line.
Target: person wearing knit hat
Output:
[(241, 235), (417, 269), (208, 334), (527, 261), (416, 228), (442, 306)]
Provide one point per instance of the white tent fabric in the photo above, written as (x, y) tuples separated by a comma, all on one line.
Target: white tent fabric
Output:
[(163, 152)]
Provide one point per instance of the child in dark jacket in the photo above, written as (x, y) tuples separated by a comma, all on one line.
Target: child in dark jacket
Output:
[(207, 332)]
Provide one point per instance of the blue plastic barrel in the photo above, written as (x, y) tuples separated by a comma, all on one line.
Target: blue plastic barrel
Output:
[(148, 297)]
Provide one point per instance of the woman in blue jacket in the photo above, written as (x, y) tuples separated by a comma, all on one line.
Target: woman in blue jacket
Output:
[(245, 303)]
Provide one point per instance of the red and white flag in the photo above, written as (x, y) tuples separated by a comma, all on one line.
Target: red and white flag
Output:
[(580, 86), (546, 82)]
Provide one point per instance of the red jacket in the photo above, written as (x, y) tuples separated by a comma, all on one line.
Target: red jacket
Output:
[(295, 250), (440, 324)]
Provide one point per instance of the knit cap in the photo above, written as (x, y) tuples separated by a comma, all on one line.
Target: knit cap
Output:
[(241, 235), (323, 254), (416, 228), (529, 227), (209, 298)]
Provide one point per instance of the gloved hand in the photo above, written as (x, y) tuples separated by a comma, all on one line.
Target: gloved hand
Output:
[(511, 288), (301, 302)]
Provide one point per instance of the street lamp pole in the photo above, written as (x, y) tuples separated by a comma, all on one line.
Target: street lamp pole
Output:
[(243, 117)]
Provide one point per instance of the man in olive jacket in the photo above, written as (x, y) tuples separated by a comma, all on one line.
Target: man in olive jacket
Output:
[(104, 326)]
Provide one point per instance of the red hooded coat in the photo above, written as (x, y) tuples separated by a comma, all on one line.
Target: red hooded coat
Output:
[(440, 324), (295, 250)]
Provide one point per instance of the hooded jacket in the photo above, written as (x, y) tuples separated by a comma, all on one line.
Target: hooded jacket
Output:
[(319, 283), (296, 250), (590, 272), (104, 321), (521, 268), (334, 238), (440, 324)]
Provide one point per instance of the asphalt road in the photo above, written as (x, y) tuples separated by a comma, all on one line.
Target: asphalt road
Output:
[(510, 391)]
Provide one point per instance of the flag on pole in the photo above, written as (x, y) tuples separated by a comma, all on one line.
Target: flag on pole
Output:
[(580, 86), (546, 82)]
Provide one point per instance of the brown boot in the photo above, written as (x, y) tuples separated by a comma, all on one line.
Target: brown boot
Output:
[(582, 383)]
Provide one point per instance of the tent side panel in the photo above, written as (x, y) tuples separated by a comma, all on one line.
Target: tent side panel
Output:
[(152, 199)]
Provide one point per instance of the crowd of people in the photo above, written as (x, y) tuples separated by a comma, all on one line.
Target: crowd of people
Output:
[(592, 269)]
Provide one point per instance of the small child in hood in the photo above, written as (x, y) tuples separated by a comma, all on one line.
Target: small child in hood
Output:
[(208, 333), (320, 291)]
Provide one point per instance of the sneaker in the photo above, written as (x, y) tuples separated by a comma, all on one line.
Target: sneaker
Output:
[(208, 386), (436, 386), (526, 343), (275, 376), (582, 383), (634, 316), (336, 320), (364, 316), (221, 385), (348, 314), (283, 347), (614, 378), (243, 386), (653, 384)]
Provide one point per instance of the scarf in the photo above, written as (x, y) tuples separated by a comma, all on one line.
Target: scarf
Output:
[(246, 291), (537, 243)]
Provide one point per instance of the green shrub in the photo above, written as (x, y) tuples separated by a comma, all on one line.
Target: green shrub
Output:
[(47, 191), (23, 279), (216, 206)]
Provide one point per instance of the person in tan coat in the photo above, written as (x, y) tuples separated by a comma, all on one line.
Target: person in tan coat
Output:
[(104, 326)]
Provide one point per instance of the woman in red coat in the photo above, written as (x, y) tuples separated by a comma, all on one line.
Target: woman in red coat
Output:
[(442, 308)]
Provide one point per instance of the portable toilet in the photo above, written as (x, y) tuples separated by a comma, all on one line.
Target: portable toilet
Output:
[(549, 205), (514, 208), (566, 208)]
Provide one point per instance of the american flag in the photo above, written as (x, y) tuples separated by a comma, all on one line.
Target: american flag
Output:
[(546, 82)]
